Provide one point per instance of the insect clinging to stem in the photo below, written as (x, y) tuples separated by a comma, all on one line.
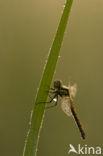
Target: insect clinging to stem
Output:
[(67, 105)]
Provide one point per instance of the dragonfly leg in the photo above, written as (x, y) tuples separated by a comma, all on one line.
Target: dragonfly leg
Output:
[(52, 88), (52, 98), (48, 91), (51, 91), (55, 104)]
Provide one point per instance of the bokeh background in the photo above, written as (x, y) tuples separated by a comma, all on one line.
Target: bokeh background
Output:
[(27, 29)]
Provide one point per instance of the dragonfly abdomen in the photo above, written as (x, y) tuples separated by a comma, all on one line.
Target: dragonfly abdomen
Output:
[(77, 121)]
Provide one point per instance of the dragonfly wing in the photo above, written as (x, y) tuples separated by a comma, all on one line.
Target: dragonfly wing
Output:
[(73, 90), (65, 105)]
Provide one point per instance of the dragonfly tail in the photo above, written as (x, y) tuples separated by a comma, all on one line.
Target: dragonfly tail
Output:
[(77, 120)]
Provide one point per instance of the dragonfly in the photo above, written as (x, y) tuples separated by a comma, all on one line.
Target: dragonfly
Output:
[(66, 93)]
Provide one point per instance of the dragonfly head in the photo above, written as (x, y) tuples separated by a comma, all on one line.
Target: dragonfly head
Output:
[(57, 84)]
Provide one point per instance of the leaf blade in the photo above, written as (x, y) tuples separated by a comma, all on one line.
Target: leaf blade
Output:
[(30, 148)]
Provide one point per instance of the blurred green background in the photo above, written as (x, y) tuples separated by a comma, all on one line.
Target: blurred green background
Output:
[(27, 29)]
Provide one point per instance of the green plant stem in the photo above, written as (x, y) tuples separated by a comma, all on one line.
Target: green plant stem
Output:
[(38, 111)]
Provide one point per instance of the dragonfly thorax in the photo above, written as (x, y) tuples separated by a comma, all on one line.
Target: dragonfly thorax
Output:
[(60, 89), (63, 92)]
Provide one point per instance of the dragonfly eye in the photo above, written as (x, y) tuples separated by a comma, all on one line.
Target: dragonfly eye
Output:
[(57, 84)]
